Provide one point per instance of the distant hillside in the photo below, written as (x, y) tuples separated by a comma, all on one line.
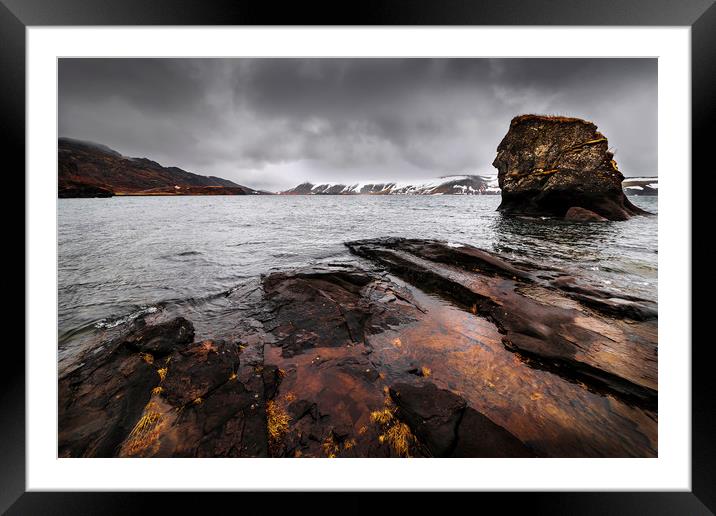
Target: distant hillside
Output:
[(448, 185), (88, 169)]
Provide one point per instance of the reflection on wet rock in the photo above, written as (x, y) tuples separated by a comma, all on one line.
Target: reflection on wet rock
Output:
[(418, 349)]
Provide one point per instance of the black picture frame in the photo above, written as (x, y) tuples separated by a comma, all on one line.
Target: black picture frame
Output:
[(700, 15)]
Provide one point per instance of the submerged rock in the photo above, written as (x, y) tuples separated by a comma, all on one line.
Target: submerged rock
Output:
[(548, 164), (577, 214)]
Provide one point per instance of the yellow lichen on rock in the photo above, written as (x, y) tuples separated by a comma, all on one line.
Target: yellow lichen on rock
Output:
[(400, 438), (395, 433), (146, 431), (330, 446), (382, 417), (147, 357), (276, 423)]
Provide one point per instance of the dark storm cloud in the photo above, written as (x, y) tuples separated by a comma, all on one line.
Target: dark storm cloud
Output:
[(272, 123)]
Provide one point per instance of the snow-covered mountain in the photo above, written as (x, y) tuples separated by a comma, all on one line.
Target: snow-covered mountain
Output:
[(485, 184), (447, 185), (641, 185)]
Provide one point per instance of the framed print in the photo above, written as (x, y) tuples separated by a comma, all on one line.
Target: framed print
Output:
[(422, 249)]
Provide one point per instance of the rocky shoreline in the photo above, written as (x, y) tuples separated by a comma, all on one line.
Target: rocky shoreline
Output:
[(420, 348)]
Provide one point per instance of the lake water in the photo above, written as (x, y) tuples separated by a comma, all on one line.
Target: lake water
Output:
[(125, 256)]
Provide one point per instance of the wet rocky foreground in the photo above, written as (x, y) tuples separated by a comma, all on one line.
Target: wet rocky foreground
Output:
[(421, 349)]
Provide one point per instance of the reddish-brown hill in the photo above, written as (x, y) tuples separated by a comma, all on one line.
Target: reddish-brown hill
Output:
[(87, 169)]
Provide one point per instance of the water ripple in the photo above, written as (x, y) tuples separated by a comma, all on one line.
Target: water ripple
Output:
[(119, 257)]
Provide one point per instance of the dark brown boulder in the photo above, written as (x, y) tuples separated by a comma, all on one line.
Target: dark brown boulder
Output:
[(449, 428), (577, 214), (161, 339), (478, 436), (547, 164), (431, 413)]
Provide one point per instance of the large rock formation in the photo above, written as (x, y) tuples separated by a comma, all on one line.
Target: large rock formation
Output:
[(549, 164)]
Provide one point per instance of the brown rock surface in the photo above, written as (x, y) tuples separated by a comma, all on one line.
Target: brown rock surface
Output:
[(320, 322), (610, 342), (100, 401), (486, 358)]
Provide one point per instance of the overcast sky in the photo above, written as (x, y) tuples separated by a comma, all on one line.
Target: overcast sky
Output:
[(274, 123)]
